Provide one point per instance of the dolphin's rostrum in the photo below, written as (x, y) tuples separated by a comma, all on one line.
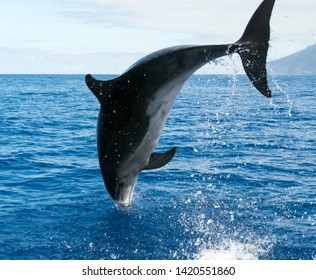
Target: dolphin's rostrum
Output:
[(134, 106)]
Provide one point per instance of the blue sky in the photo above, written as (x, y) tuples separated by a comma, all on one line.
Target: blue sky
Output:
[(107, 36)]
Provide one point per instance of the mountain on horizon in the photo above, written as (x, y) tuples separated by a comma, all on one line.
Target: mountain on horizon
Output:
[(299, 63)]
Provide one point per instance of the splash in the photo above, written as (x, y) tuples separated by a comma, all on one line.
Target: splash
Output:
[(215, 229), (281, 89), (235, 250), (234, 75)]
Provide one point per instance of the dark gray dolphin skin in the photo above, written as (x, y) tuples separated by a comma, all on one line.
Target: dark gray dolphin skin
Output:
[(134, 106)]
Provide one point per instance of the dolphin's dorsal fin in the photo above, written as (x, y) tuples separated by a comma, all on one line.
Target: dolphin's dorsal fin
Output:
[(159, 160), (99, 88)]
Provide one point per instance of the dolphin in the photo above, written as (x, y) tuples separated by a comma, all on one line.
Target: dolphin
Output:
[(134, 106)]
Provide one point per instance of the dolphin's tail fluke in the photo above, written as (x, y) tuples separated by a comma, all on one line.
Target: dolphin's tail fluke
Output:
[(253, 47)]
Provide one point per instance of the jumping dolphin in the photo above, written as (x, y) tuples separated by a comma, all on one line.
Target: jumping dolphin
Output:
[(134, 106)]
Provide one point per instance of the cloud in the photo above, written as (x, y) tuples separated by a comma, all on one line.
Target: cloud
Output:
[(201, 21), (91, 12), (199, 18), (4, 24), (34, 61), (107, 36)]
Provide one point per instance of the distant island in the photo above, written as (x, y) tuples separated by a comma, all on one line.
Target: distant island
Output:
[(300, 63)]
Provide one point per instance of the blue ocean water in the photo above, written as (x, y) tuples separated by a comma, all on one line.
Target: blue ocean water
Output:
[(241, 186)]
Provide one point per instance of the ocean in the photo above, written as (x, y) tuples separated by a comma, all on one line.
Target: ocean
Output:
[(242, 184)]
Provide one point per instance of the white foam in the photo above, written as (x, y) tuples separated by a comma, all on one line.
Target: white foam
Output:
[(234, 250)]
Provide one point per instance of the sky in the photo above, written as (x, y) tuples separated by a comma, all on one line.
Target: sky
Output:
[(107, 36)]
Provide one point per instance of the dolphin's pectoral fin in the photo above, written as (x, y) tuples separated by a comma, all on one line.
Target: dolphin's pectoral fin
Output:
[(159, 160)]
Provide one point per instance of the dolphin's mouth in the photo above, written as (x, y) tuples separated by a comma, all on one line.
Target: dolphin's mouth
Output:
[(124, 196), (124, 202)]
